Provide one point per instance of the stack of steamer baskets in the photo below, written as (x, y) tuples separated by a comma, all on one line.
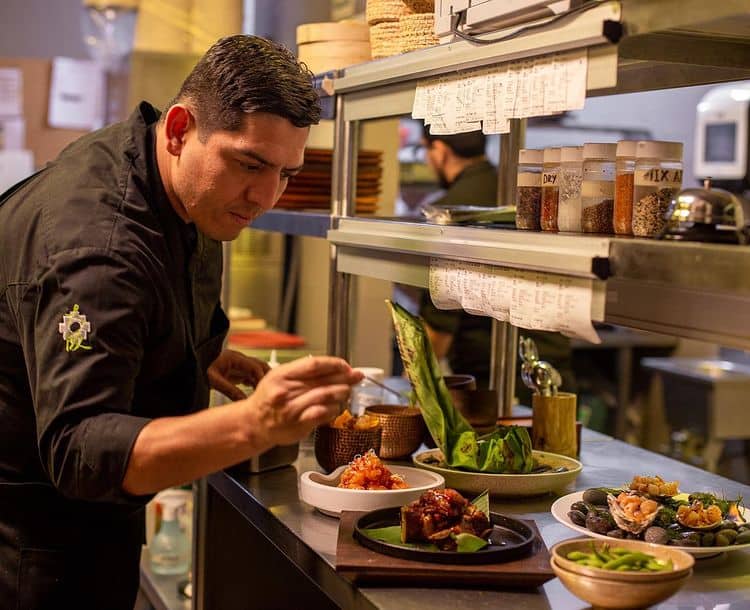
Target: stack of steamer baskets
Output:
[(398, 26), (311, 188), (324, 47)]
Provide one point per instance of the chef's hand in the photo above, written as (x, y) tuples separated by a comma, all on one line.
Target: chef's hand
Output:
[(295, 397), (232, 368)]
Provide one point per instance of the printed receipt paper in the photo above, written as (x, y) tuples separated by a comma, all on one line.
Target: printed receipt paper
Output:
[(528, 299)]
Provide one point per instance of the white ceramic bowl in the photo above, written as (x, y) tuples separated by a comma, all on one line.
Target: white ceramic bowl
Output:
[(321, 491), (509, 485)]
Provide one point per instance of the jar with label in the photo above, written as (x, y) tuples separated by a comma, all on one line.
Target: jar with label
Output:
[(529, 189), (550, 189), (622, 219), (598, 188), (366, 393), (570, 178), (658, 177)]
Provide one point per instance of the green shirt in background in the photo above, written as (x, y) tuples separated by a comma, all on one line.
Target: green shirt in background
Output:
[(470, 348)]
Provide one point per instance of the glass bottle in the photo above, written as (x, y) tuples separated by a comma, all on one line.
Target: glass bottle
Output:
[(170, 550), (570, 178), (366, 393), (529, 189), (598, 188), (622, 219), (658, 177), (550, 189)]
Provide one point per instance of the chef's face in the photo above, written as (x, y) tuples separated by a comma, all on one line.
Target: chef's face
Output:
[(436, 157), (226, 181)]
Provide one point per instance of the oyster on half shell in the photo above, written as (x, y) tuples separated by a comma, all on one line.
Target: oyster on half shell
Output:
[(632, 512)]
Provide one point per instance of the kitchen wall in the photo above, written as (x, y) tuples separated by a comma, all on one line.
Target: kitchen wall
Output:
[(41, 28)]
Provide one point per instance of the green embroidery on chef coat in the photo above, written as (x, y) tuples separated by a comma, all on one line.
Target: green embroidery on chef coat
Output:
[(74, 329)]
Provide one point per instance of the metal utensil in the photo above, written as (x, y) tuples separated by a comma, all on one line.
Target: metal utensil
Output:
[(527, 350), (385, 387), (538, 375)]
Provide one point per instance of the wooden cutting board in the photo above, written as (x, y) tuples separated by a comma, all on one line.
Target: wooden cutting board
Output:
[(361, 565)]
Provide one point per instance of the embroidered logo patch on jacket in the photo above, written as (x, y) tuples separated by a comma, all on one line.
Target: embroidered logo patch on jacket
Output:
[(74, 329)]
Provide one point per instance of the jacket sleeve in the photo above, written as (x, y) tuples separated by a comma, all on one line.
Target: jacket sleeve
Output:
[(83, 385)]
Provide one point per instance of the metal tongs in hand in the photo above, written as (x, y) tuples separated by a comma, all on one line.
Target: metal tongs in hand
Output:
[(536, 374)]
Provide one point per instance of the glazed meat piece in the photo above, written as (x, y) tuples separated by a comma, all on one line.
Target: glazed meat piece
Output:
[(437, 514)]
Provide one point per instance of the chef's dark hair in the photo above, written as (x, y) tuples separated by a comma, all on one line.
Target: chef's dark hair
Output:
[(242, 74), (465, 145)]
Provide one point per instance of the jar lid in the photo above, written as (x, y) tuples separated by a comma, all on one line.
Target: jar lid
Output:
[(571, 153), (597, 150), (551, 155), (529, 155), (626, 148), (652, 149)]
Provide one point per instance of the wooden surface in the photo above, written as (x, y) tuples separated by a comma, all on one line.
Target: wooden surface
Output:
[(361, 565)]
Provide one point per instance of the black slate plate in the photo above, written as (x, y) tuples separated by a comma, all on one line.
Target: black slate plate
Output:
[(510, 539)]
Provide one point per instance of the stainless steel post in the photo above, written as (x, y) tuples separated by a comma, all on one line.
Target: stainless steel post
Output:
[(343, 186), (504, 335)]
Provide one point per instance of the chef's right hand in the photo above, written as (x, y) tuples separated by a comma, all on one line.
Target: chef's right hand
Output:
[(295, 397)]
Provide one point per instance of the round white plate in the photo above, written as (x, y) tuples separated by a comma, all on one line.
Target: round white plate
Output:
[(561, 507), (505, 484), (321, 491)]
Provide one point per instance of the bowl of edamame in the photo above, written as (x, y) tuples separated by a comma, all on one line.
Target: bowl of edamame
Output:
[(620, 573)]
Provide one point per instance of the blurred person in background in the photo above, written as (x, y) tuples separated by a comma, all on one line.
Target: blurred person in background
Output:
[(458, 337)]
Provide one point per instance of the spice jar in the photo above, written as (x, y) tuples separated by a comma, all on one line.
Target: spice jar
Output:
[(598, 188), (624, 169), (658, 177), (550, 189), (570, 178), (529, 187)]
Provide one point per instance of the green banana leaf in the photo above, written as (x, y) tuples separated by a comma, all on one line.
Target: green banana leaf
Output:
[(506, 450)]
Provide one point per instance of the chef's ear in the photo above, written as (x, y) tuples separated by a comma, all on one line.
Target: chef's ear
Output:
[(178, 122)]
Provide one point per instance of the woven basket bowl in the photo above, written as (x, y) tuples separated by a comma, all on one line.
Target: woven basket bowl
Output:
[(335, 447), (403, 429)]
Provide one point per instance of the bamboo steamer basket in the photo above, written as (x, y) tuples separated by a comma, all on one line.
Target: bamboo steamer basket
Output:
[(383, 11), (420, 6), (417, 32), (384, 39), (333, 45)]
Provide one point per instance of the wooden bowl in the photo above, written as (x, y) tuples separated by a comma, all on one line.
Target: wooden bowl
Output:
[(609, 593), (336, 447), (403, 429), (683, 562)]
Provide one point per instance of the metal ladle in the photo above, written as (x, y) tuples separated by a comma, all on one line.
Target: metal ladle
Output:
[(539, 376)]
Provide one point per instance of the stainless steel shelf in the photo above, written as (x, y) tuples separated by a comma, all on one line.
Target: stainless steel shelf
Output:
[(695, 290), (306, 224), (578, 255), (669, 43)]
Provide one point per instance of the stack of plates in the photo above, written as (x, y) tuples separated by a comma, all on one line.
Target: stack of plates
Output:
[(311, 188)]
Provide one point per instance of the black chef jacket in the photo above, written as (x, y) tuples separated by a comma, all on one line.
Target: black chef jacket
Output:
[(109, 317)]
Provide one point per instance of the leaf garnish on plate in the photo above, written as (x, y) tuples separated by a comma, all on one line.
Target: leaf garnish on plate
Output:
[(468, 543), (482, 502), (392, 535)]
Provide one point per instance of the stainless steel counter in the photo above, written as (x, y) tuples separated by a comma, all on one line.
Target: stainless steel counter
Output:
[(308, 538)]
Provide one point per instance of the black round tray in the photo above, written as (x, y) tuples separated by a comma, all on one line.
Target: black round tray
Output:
[(510, 539)]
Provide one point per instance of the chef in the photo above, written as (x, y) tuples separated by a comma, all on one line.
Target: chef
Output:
[(111, 330)]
